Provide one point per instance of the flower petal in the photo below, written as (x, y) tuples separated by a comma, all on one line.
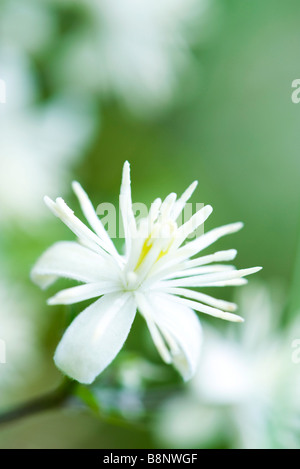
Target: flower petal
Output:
[(95, 337), (207, 269), (203, 298), (93, 219), (180, 203), (219, 256), (69, 259), (167, 206), (129, 223), (236, 282), (217, 313), (210, 279), (181, 329), (73, 295), (190, 226), (193, 247), (157, 337), (62, 211), (172, 264)]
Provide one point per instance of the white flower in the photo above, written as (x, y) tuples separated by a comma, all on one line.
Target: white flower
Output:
[(28, 26), (133, 50), (153, 276), (38, 143), (246, 388)]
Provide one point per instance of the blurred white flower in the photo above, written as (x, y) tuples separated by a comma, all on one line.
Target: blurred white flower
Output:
[(245, 388), (132, 49), (135, 372), (28, 26), (154, 276), (19, 355), (38, 142)]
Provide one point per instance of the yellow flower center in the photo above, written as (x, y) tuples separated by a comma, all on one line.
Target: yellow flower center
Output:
[(162, 234)]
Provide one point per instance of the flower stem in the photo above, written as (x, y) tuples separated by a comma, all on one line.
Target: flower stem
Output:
[(51, 400)]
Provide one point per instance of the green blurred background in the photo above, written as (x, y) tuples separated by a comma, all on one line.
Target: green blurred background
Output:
[(183, 91)]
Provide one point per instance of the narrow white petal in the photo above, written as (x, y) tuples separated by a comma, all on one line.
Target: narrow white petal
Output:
[(203, 298), (146, 312), (167, 205), (201, 270), (66, 215), (220, 256), (172, 263), (217, 313), (167, 264), (84, 292), (129, 223), (95, 337), (93, 219), (228, 283), (179, 205), (71, 260), (154, 210), (191, 225), (181, 329), (192, 248), (209, 279), (156, 276)]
